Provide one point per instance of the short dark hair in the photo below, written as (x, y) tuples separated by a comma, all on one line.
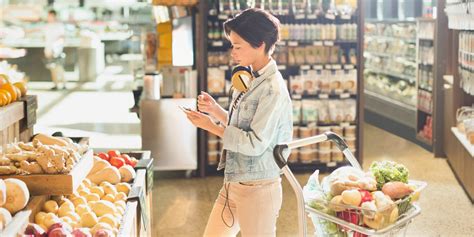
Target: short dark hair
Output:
[(255, 26), (52, 12)]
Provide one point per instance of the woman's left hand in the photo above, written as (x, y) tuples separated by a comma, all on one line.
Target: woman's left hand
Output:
[(200, 120)]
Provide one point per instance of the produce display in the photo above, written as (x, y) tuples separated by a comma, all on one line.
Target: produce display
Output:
[(94, 210), (44, 155), (103, 170), (399, 90), (12, 84), (14, 196), (374, 199)]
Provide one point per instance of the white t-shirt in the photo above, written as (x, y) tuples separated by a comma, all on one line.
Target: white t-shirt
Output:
[(54, 39)]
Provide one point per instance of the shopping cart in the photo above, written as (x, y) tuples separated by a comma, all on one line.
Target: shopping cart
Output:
[(410, 210)]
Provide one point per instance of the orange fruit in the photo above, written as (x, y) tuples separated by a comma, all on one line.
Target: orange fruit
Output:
[(7, 95), (3, 99), (3, 79), (18, 92), (22, 86), (10, 88)]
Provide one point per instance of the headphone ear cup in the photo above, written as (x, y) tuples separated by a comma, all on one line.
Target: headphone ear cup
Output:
[(241, 77)]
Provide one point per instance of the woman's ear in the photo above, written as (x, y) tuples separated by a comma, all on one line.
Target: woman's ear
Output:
[(262, 47)]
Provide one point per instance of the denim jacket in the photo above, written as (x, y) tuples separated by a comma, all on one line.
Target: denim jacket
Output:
[(262, 120)]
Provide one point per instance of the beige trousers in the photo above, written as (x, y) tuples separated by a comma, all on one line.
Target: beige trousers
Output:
[(251, 208)]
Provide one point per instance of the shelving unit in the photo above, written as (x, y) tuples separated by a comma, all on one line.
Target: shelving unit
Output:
[(304, 54), (389, 76), (425, 76)]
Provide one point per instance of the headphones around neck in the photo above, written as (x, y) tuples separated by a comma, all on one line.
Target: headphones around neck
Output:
[(242, 77)]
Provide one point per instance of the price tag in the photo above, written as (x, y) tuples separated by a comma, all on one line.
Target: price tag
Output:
[(338, 91), (349, 66), (328, 66), (328, 43), (212, 12), (345, 95), (331, 164), (336, 66), (281, 67), (318, 43), (217, 43), (305, 67), (318, 67), (346, 17), (312, 16), (296, 97), (281, 43), (292, 43), (323, 96), (222, 17), (330, 16), (299, 16), (345, 124), (224, 67)]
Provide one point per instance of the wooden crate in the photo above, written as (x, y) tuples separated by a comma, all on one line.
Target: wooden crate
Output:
[(21, 219), (10, 117), (57, 184), (30, 103)]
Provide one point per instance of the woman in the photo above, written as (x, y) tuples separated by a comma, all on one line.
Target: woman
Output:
[(258, 119)]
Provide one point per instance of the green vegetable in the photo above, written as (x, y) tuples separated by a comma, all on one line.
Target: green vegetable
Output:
[(387, 171)]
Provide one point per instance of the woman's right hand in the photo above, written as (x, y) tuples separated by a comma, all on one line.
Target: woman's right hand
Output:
[(207, 104)]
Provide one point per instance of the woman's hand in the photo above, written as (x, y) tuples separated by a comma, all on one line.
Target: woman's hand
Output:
[(200, 120), (207, 104)]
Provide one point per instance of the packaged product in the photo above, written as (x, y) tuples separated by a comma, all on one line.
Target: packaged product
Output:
[(297, 104), (337, 156), (350, 110), (323, 111), (324, 81), (212, 157), (296, 85), (351, 142), (296, 132), (337, 130), (306, 132), (349, 82), (323, 129), (310, 86), (294, 156), (309, 111), (323, 146), (215, 80), (336, 80), (213, 145), (336, 111), (324, 156), (306, 155), (350, 131), (300, 55), (310, 56)]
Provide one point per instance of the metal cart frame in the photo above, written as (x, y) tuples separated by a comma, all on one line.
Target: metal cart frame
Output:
[(402, 222)]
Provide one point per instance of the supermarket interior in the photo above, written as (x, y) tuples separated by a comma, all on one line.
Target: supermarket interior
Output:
[(117, 118)]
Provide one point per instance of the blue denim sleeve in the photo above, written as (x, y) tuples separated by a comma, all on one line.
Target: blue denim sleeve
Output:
[(262, 129)]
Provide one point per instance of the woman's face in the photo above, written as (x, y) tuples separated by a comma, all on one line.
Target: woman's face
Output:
[(242, 52)]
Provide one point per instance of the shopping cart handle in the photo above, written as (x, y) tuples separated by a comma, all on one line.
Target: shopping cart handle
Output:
[(278, 150)]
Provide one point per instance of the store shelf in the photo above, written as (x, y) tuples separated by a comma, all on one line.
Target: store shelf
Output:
[(324, 96), (425, 89), (391, 74), (390, 108), (388, 55), (424, 139), (463, 140), (320, 42), (392, 38)]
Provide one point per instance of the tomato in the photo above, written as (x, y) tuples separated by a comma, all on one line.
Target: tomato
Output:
[(127, 159), (104, 156), (117, 162), (113, 153)]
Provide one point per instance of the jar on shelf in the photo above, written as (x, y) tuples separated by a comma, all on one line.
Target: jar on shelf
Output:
[(350, 131), (324, 156), (296, 132), (294, 156), (213, 145), (213, 157), (327, 145), (306, 132), (351, 142), (306, 156), (337, 130), (337, 156)]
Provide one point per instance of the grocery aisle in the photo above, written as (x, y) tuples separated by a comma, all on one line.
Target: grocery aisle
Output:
[(181, 206)]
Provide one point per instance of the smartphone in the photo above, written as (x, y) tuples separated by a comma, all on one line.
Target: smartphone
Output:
[(184, 109)]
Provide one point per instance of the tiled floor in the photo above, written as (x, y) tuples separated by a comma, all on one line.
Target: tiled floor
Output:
[(99, 110)]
